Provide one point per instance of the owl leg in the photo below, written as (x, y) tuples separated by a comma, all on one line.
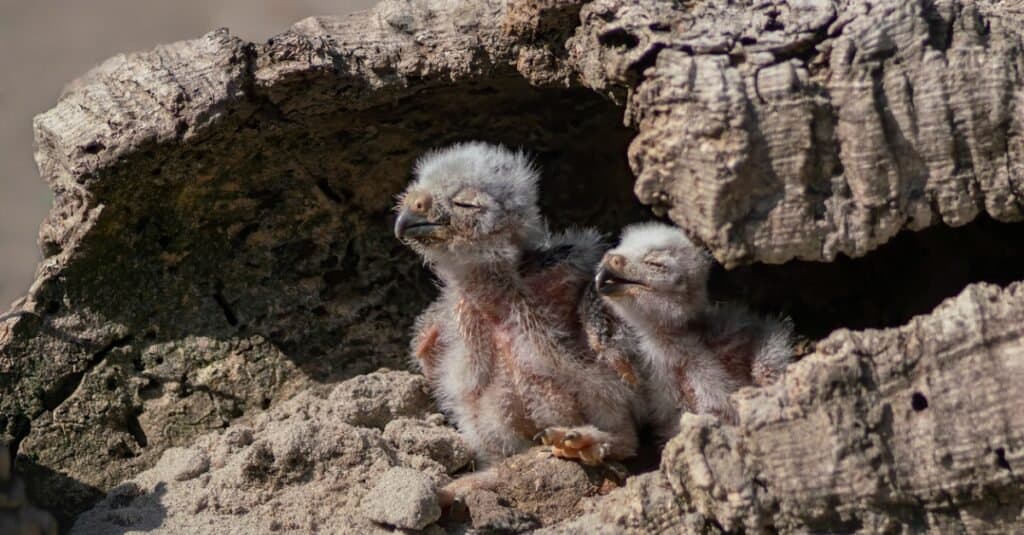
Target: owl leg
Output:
[(588, 444), (486, 480)]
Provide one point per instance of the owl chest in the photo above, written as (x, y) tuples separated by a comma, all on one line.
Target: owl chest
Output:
[(499, 376), (487, 352), (506, 366)]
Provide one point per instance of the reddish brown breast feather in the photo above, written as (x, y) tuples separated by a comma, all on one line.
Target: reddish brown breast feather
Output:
[(427, 349)]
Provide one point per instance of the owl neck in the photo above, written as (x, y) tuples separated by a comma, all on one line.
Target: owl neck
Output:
[(667, 342), (485, 283)]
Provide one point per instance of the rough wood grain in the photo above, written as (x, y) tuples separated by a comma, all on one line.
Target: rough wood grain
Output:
[(220, 234), (908, 430), (806, 130)]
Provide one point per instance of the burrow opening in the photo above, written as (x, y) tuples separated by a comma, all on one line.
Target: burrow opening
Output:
[(265, 246), (282, 229), (908, 276)]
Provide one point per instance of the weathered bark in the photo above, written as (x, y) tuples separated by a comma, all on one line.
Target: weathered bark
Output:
[(912, 428), (220, 236), (909, 430), (805, 130)]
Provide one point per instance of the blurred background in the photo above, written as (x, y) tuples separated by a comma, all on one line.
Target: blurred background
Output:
[(44, 44)]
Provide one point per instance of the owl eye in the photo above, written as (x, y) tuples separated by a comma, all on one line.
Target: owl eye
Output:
[(467, 205)]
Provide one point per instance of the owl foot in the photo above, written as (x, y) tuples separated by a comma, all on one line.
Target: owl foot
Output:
[(460, 487), (586, 444)]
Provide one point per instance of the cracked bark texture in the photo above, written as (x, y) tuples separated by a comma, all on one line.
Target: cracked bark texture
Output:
[(806, 130), (220, 236), (915, 429)]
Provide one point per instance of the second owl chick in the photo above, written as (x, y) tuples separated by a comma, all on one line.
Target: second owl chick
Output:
[(696, 353)]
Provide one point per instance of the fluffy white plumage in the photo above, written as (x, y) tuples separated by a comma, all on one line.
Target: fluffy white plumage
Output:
[(695, 353), (640, 238), (502, 345), (505, 174)]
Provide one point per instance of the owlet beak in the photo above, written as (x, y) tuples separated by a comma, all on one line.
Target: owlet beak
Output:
[(411, 225), (610, 282)]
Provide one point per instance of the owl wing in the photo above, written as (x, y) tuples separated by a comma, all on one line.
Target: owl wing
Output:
[(610, 339)]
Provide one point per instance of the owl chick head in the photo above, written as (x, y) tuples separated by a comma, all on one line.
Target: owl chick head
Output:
[(470, 203), (656, 275)]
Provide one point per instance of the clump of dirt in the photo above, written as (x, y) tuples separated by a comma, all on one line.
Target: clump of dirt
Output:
[(365, 456)]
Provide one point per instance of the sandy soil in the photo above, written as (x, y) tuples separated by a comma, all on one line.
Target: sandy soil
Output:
[(44, 44)]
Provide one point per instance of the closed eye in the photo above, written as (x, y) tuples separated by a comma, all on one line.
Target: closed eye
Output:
[(466, 205), (655, 265)]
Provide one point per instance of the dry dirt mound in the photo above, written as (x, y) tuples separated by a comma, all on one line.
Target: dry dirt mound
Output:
[(304, 465), (365, 456)]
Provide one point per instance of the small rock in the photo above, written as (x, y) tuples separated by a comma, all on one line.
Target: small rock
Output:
[(403, 498), (418, 437), (200, 505), (374, 399), (238, 437), (546, 487), (185, 464), (425, 465), (258, 461)]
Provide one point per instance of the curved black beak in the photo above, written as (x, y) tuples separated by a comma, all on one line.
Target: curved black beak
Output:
[(413, 225), (609, 282)]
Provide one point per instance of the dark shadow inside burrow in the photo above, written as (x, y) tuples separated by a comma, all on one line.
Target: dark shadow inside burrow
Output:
[(908, 276)]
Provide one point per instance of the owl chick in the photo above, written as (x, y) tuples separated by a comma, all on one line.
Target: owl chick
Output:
[(503, 345), (696, 353)]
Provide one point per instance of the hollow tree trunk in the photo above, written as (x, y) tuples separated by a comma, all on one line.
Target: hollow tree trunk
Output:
[(220, 236)]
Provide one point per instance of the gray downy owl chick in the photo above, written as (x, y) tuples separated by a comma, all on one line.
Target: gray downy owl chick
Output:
[(503, 345), (696, 353)]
